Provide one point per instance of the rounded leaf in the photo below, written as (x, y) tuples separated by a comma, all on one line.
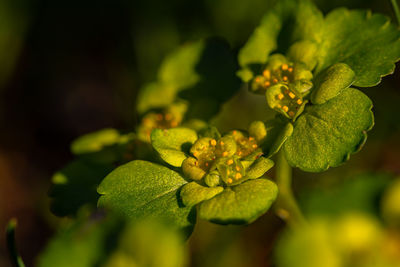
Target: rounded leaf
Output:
[(171, 144), (141, 189), (325, 135), (240, 204), (331, 82)]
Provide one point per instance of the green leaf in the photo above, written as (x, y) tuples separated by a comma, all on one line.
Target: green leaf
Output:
[(367, 42), (357, 194), (142, 189), (79, 244), (149, 243), (259, 168), (240, 204), (75, 186), (325, 135), (155, 95), (106, 146), (193, 193), (331, 82), (94, 142), (277, 133), (172, 144), (203, 73)]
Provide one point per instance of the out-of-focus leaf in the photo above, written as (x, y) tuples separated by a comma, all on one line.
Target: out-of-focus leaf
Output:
[(202, 73), (356, 194), (390, 204), (148, 243), (82, 243), (75, 186)]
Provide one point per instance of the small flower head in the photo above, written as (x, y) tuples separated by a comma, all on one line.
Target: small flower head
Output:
[(222, 161), (285, 100), (167, 118), (279, 71)]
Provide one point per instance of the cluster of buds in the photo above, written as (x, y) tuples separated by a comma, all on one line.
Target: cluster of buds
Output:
[(229, 160), (285, 85)]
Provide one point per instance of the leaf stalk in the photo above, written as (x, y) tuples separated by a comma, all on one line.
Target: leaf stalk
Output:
[(286, 205)]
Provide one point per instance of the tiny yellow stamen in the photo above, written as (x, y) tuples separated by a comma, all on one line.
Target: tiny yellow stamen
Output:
[(291, 113), (237, 168), (229, 180), (213, 142), (285, 108), (159, 117), (168, 116), (267, 74), (257, 79), (174, 124), (280, 96), (285, 78), (291, 95), (275, 80), (290, 69), (221, 143), (238, 175), (254, 146), (251, 138), (278, 106), (267, 83), (195, 154), (229, 162), (234, 132), (207, 164), (239, 153), (225, 153), (299, 102), (285, 66)]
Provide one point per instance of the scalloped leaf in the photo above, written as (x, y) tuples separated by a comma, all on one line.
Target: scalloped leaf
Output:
[(367, 42), (240, 204), (75, 186), (172, 144), (325, 135), (142, 189)]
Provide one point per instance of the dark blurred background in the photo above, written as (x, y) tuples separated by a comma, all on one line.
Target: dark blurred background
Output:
[(71, 67)]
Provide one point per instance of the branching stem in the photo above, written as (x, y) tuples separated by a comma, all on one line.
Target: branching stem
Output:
[(286, 206)]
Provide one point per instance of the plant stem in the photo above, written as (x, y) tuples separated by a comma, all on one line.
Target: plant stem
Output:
[(396, 10), (12, 248), (286, 206)]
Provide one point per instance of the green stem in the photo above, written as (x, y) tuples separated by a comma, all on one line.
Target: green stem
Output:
[(12, 248), (396, 10), (287, 207)]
